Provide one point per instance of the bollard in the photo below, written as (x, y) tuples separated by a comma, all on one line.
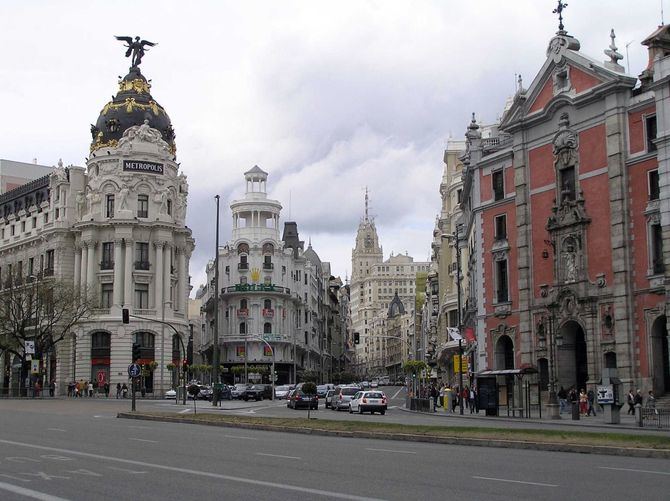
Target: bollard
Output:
[(575, 411), (638, 414)]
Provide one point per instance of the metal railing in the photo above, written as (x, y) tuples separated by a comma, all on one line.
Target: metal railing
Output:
[(654, 418)]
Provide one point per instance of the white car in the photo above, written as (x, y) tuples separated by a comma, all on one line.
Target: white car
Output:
[(368, 401), (374, 383), (171, 394), (282, 391)]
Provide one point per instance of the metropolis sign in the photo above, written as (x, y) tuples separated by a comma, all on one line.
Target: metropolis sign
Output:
[(138, 166)]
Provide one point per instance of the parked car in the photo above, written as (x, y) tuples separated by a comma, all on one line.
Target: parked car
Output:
[(329, 398), (342, 396), (239, 390), (205, 393), (299, 399), (365, 384), (171, 394), (254, 392), (282, 391), (225, 392), (368, 401), (374, 383)]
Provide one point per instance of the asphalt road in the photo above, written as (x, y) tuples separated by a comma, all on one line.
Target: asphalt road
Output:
[(73, 450)]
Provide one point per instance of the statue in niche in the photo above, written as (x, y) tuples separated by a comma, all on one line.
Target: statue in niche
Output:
[(123, 198), (570, 261), (81, 204), (162, 198)]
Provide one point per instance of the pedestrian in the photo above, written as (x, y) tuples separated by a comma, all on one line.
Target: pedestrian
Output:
[(630, 399), (118, 390), (70, 388), (441, 394), (36, 389), (651, 402), (52, 388), (472, 397), (90, 389), (83, 388), (434, 394), (638, 397), (573, 397), (455, 399), (562, 400), (591, 396), (124, 389), (583, 402), (106, 388)]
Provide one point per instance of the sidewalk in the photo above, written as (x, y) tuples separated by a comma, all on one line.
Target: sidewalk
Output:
[(593, 423)]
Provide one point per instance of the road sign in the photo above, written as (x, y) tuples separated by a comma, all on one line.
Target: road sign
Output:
[(605, 394), (134, 370), (35, 366), (30, 347), (101, 377)]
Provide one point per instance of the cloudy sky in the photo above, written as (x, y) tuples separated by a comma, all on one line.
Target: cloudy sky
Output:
[(328, 97)]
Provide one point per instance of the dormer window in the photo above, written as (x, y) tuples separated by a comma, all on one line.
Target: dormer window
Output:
[(650, 130)]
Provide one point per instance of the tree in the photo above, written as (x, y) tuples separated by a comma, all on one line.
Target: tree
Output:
[(309, 389), (42, 310), (309, 376)]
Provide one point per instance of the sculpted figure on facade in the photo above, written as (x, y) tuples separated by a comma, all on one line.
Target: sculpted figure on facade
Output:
[(565, 144), (123, 198), (145, 134), (80, 201), (59, 173)]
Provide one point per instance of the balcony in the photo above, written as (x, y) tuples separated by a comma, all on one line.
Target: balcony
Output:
[(107, 265), (242, 312), (49, 272), (243, 266), (142, 265), (268, 313), (268, 266), (255, 288)]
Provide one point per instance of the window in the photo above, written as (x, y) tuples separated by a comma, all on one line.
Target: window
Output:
[(502, 292), (34, 223), (453, 318), (267, 304), (12, 230), (654, 187), (459, 196), (267, 328), (244, 264), (141, 296), (23, 226), (31, 266), (650, 128), (243, 328), (243, 304), (227, 270), (142, 256), (50, 263), (107, 256), (567, 183), (657, 265), (143, 206), (169, 207), (107, 295), (109, 206), (267, 263), (498, 185), (501, 227)]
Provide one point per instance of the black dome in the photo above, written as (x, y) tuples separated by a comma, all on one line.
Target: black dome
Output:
[(131, 106)]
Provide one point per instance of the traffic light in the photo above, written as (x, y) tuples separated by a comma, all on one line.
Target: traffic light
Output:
[(136, 351), (125, 315), (357, 338)]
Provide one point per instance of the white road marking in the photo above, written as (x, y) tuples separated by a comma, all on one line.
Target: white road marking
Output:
[(241, 438), (29, 493), (139, 427), (397, 393), (389, 450), (276, 456), (56, 429), (634, 471), (515, 481), (126, 470), (231, 478), (185, 411), (144, 440)]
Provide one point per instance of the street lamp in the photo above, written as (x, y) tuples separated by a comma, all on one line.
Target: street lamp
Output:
[(455, 236), (555, 340), (215, 344)]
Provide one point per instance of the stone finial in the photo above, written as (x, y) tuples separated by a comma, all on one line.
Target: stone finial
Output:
[(615, 57), (519, 84)]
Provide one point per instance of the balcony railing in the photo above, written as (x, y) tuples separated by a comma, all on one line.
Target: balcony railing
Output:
[(242, 266), (142, 265), (48, 272), (268, 313), (107, 265), (268, 266), (255, 288)]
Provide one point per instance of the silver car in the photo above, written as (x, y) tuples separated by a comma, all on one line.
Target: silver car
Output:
[(342, 397), (282, 391)]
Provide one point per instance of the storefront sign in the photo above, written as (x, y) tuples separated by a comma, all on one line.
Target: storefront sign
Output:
[(141, 166), (460, 364)]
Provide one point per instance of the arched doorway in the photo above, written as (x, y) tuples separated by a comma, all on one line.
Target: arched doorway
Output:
[(659, 355), (146, 341), (573, 367)]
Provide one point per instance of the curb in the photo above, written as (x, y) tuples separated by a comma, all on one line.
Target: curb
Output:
[(406, 437)]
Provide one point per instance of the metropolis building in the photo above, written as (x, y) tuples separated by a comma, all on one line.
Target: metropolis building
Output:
[(117, 229)]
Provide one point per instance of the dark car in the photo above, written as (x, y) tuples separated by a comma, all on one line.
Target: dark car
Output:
[(298, 399), (224, 392), (254, 392)]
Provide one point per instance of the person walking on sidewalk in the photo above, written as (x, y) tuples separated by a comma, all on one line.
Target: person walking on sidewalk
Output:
[(591, 396), (472, 397), (562, 400), (630, 399), (583, 402), (118, 390), (434, 394), (651, 401)]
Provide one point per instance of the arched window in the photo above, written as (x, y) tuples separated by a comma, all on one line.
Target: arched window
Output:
[(504, 353), (267, 328), (144, 339), (243, 328), (176, 348)]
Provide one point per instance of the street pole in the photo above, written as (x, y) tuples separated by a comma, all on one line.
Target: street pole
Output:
[(554, 410), (246, 334), (215, 344), (460, 326), (163, 346)]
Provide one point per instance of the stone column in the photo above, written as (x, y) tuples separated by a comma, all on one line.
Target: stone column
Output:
[(158, 275), (77, 266), (90, 267), (118, 272), (182, 302), (84, 264), (167, 273), (128, 278)]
